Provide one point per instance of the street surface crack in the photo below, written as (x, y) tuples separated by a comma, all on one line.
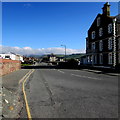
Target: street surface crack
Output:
[(48, 90)]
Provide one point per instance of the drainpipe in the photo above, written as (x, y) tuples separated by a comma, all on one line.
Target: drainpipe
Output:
[(114, 42)]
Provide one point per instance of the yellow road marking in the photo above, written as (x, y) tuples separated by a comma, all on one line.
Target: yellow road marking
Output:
[(25, 97), (24, 77)]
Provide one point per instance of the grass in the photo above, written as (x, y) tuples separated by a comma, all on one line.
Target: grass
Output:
[(26, 64)]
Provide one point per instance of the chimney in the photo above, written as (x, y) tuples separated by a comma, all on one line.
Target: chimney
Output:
[(106, 9)]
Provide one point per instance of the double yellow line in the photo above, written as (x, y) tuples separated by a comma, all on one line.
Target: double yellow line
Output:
[(23, 89)]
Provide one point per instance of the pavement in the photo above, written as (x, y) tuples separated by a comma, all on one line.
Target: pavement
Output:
[(11, 90), (65, 93), (101, 72)]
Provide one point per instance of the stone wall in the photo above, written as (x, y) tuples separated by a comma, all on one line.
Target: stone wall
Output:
[(7, 66)]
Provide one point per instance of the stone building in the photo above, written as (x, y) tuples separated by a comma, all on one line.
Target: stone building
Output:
[(103, 40)]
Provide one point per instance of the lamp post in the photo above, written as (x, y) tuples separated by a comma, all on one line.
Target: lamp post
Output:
[(65, 51)]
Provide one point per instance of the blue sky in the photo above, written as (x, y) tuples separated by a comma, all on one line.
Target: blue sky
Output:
[(48, 24)]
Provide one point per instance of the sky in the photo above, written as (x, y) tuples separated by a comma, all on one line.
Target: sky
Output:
[(42, 27)]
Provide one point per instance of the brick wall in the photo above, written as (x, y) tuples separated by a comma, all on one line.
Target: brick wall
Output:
[(8, 66)]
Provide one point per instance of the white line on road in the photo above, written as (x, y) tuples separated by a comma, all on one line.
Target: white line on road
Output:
[(113, 74), (61, 71), (85, 77), (92, 70), (72, 70)]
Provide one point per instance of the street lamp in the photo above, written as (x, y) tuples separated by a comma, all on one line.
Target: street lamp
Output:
[(65, 51)]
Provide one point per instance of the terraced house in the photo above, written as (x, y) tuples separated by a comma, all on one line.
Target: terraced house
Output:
[(103, 41)]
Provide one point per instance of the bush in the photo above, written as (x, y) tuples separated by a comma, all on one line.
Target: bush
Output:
[(73, 62), (70, 64)]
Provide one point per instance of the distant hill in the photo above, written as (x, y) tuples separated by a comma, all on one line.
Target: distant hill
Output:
[(35, 56), (71, 56), (75, 56)]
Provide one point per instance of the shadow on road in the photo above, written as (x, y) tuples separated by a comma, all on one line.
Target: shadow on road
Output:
[(39, 67), (89, 69)]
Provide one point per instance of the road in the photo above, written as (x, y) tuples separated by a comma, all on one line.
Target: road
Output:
[(64, 93)]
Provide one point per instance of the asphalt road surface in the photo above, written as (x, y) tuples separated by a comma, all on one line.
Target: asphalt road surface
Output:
[(64, 93)]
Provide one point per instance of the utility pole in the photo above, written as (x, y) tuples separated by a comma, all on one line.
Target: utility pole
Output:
[(65, 51)]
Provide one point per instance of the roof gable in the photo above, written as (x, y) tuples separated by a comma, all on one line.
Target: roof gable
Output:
[(95, 21), (103, 18)]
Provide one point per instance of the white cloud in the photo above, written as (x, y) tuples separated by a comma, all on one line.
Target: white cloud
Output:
[(40, 51), (27, 48)]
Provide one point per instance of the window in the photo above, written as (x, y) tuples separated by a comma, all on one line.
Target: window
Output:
[(7, 56), (93, 46), (110, 58), (110, 28), (91, 58), (95, 59), (109, 43), (100, 32), (93, 35), (101, 58), (88, 59), (98, 21), (100, 45)]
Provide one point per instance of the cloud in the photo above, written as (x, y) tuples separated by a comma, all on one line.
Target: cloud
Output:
[(27, 48), (40, 51)]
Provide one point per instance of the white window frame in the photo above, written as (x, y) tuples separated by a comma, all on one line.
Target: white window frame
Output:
[(100, 45), (93, 35), (100, 32), (110, 58), (110, 28), (98, 21), (110, 43), (101, 58), (88, 59)]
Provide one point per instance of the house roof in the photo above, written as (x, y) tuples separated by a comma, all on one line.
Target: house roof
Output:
[(112, 17), (118, 17)]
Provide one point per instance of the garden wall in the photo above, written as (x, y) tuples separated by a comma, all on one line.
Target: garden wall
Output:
[(7, 66)]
